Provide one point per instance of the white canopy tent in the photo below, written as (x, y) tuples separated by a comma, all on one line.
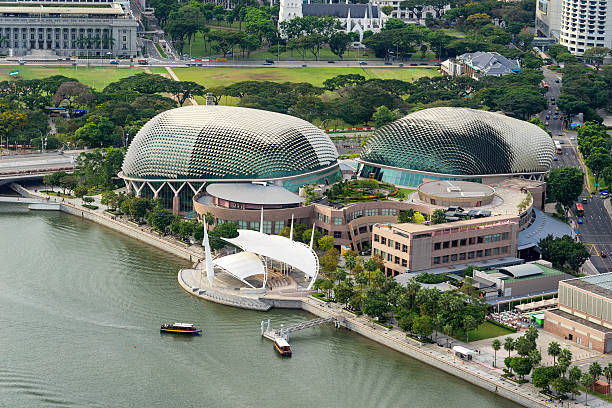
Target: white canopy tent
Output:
[(279, 248), (241, 266)]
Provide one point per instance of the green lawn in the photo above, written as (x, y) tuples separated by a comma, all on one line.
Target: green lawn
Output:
[(403, 193), (223, 76), (487, 330), (97, 77)]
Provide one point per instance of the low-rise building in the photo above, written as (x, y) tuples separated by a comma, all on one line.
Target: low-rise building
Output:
[(479, 64), (519, 281), (70, 28), (414, 247), (584, 315)]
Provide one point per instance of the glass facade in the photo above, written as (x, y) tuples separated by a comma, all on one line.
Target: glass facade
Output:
[(456, 141)]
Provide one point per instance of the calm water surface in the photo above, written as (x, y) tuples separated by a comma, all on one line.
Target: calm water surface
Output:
[(80, 309)]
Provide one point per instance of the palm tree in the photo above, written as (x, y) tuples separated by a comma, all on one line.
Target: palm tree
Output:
[(509, 345), (587, 382), (607, 372), (496, 346), (565, 359), (554, 349), (574, 376), (595, 370)]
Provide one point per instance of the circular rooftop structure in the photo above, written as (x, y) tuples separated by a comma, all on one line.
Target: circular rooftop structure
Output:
[(225, 142), (456, 193), (459, 141)]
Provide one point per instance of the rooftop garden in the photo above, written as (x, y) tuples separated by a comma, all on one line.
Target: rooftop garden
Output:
[(360, 190)]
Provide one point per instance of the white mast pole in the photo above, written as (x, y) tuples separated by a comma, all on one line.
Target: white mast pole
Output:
[(312, 235), (261, 221), (210, 271), (291, 232)]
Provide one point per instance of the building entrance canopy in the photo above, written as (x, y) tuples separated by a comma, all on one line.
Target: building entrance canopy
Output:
[(282, 249)]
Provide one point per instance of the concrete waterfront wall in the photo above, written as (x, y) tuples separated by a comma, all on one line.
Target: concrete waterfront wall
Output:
[(428, 357), (130, 231)]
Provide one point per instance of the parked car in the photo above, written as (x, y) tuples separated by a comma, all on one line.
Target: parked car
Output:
[(584, 200), (556, 81), (269, 61), (113, 62), (388, 63), (363, 63), (546, 123), (331, 62), (555, 158), (547, 117), (603, 254), (579, 221)]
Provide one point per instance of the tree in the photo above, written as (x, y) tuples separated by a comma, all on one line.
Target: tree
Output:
[(422, 326), (607, 372), (329, 261), (522, 366), (344, 292), (496, 345), (596, 55), (595, 370), (326, 243), (53, 179), (565, 360), (574, 376), (554, 350), (160, 219), (74, 94), (375, 304), (183, 90), (509, 345), (405, 216), (535, 357), (350, 262), (469, 323), (438, 216), (209, 218), (384, 116), (543, 376), (307, 234), (565, 185), (68, 182), (587, 382), (80, 191), (525, 37), (598, 161), (339, 42), (561, 385)]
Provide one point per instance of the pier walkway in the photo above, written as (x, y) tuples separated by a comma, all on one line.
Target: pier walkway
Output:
[(271, 333)]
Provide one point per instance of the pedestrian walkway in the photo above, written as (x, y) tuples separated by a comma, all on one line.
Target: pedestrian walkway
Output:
[(173, 75)]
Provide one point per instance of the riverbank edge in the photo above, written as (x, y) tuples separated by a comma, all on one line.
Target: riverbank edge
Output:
[(381, 336), (378, 335), (109, 222)]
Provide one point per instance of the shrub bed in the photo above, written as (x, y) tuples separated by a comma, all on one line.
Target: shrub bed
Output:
[(322, 297), (91, 207), (505, 326)]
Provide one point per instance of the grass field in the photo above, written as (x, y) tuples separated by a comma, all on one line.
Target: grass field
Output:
[(487, 330), (223, 76), (96, 77)]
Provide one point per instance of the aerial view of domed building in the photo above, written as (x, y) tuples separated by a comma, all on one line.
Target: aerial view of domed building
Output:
[(178, 152), (456, 144)]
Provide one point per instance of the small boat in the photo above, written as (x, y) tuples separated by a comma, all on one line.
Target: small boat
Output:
[(179, 328), (283, 348)]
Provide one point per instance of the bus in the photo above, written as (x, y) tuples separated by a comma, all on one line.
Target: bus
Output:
[(558, 147), (579, 210)]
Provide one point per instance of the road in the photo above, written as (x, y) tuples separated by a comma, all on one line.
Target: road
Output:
[(37, 162), (160, 62), (596, 229)]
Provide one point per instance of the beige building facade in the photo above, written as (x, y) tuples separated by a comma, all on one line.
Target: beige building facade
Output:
[(412, 247), (584, 315)]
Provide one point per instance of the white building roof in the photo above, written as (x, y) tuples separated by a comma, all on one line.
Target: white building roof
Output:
[(253, 193), (282, 249), (241, 265), (463, 350)]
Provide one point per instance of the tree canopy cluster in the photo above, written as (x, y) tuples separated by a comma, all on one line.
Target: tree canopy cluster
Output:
[(564, 252), (585, 90), (594, 143)]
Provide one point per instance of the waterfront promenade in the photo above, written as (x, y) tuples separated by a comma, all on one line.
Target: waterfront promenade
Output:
[(479, 374)]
